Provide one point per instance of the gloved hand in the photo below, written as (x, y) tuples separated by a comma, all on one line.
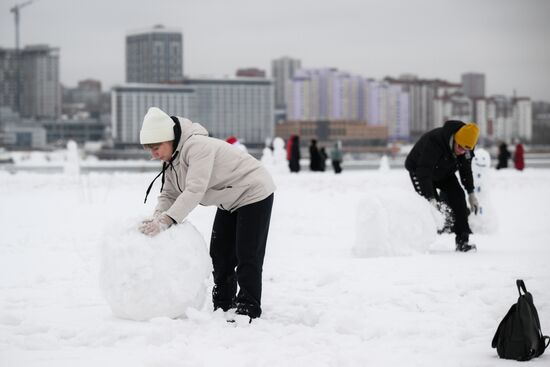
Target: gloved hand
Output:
[(152, 227), (474, 204), (156, 214)]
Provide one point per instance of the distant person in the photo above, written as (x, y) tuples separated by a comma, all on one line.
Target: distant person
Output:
[(336, 157), (503, 156), (432, 164), (324, 157), (198, 169), (519, 161), (236, 143), (314, 156), (293, 153)]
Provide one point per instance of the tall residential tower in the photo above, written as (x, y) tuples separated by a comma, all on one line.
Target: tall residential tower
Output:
[(283, 70), (40, 94), (154, 55), (473, 85)]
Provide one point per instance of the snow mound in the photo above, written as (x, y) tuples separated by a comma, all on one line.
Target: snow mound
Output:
[(145, 277), (394, 223)]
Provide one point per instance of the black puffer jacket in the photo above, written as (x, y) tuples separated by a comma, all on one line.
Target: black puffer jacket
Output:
[(432, 159)]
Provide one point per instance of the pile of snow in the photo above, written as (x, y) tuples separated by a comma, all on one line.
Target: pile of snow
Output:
[(393, 223), (145, 277), (321, 305)]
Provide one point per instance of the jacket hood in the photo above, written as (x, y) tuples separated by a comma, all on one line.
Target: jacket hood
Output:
[(188, 129)]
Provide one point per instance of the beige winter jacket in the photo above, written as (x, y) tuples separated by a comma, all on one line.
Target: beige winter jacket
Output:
[(209, 171)]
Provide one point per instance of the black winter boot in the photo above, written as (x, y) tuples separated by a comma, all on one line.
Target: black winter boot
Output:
[(462, 243)]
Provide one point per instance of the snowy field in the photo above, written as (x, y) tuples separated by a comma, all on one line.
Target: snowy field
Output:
[(322, 304)]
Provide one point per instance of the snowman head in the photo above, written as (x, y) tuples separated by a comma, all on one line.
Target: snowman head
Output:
[(482, 159), (278, 143)]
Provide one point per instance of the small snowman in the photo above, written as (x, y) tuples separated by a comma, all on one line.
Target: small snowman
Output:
[(485, 221)]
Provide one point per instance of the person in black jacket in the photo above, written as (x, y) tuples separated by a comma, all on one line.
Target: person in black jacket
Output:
[(314, 156), (503, 156), (432, 164), (293, 153)]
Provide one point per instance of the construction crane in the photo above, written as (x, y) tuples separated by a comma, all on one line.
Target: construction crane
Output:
[(15, 10)]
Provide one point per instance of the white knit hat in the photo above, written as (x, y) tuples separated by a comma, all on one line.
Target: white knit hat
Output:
[(157, 127)]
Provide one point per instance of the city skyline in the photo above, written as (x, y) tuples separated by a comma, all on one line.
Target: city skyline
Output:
[(504, 39)]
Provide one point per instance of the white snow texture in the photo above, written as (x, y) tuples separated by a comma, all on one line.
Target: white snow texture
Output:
[(394, 222), (146, 277), (322, 306)]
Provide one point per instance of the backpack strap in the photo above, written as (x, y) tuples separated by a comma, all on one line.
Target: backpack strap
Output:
[(521, 286)]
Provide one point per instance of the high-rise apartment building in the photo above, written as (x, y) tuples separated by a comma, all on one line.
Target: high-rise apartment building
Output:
[(509, 118), (330, 95), (473, 85), (455, 106), (242, 107), (88, 92), (154, 55), (523, 118), (39, 92), (130, 103), (40, 88), (388, 105), (326, 94), (541, 122), (422, 93), (283, 70), (8, 78)]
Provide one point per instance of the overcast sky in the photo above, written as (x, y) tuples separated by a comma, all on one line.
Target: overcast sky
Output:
[(508, 40)]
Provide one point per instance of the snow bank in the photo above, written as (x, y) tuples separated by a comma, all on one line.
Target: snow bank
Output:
[(394, 222), (145, 277)]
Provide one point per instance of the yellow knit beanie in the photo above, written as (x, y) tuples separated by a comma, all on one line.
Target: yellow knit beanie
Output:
[(467, 136)]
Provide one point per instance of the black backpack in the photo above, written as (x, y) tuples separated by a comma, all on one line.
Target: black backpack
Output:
[(519, 336)]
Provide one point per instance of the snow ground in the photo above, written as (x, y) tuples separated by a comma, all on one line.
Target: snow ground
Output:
[(322, 305)]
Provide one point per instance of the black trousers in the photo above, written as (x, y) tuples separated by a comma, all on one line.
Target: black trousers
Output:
[(337, 167), (452, 194), (237, 249)]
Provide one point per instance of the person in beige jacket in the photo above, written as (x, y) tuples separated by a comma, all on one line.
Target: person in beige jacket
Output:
[(198, 169)]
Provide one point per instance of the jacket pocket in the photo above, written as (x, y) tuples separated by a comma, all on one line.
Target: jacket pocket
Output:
[(227, 198)]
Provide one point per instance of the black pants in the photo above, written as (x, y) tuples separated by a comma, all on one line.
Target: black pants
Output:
[(237, 248), (337, 167), (452, 194)]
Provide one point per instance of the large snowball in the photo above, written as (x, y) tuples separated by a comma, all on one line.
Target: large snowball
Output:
[(144, 277), (394, 222)]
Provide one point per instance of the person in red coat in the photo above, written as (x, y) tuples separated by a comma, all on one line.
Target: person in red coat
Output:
[(519, 162)]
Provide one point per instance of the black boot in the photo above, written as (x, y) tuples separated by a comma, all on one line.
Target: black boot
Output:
[(223, 295), (462, 243), (248, 310)]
